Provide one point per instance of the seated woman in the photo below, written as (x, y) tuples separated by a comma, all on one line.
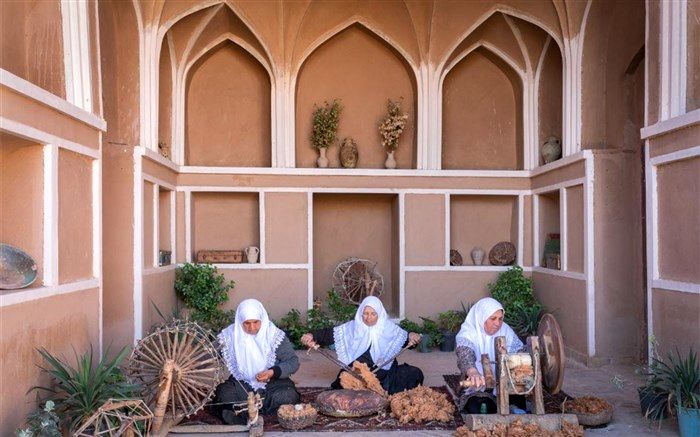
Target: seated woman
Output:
[(371, 338), (260, 359), (483, 324)]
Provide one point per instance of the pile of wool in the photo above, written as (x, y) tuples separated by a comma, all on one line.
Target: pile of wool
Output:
[(518, 429), (421, 404), (587, 405), (370, 381)]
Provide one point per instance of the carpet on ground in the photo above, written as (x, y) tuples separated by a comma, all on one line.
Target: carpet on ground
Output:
[(377, 422)]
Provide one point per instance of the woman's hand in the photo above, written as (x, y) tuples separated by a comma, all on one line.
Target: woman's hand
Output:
[(475, 378), (413, 338), (265, 375), (308, 340)]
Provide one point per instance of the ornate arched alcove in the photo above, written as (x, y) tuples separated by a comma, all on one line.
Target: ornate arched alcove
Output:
[(362, 70)]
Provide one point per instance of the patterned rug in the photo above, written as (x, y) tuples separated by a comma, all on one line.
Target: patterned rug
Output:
[(379, 422)]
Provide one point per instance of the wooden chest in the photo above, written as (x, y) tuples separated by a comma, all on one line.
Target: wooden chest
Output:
[(220, 256)]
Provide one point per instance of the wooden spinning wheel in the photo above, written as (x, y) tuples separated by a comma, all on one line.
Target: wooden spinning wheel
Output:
[(179, 368), (130, 418), (354, 279)]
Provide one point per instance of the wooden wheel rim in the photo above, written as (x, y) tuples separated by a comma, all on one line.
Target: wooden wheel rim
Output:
[(553, 357)]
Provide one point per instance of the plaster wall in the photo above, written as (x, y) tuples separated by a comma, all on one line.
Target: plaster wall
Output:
[(674, 141), (362, 71), (31, 43), (574, 228), (425, 229), (676, 321), (379, 182), (180, 227), (566, 299), (430, 293), (225, 221), (550, 223), (550, 97), (22, 109), (74, 217), (619, 259), (164, 220), (528, 231), (147, 224), (279, 290), (693, 63), (165, 97), (286, 228), (159, 171), (355, 225), (482, 115), (679, 240), (158, 291), (575, 170), (482, 221), (653, 66), (62, 324), (21, 197), (228, 121)]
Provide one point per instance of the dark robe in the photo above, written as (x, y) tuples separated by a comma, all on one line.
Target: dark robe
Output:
[(398, 378), (279, 391)]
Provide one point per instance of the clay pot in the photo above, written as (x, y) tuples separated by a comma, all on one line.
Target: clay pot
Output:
[(322, 161), (251, 254), (478, 256), (551, 150), (348, 153), (390, 162)]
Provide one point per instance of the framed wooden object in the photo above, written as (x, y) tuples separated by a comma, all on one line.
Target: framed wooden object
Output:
[(220, 256)]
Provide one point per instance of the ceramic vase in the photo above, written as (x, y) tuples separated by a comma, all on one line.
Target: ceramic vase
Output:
[(348, 153), (252, 253), (478, 256), (551, 150), (322, 161), (390, 162)]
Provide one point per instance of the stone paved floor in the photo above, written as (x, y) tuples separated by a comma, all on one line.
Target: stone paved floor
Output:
[(579, 380)]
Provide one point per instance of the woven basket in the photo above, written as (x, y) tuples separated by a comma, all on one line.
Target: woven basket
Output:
[(587, 419), (297, 422)]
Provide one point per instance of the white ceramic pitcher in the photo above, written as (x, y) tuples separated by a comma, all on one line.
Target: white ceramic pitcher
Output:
[(251, 253)]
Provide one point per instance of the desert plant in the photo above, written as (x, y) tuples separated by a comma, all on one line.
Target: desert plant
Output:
[(324, 131), (42, 422), (203, 289), (525, 319), (392, 125), (79, 391), (678, 381)]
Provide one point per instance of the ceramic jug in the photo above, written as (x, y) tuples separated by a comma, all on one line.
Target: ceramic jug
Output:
[(251, 253)]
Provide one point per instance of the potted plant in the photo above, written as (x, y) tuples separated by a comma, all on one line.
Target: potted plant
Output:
[(202, 288), (411, 326), (324, 129), (449, 323), (431, 330), (390, 129)]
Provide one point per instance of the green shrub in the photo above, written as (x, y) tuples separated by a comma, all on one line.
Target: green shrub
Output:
[(42, 422), (525, 320), (203, 289), (410, 326), (450, 321), (431, 329), (78, 392), (340, 310), (294, 327), (678, 381)]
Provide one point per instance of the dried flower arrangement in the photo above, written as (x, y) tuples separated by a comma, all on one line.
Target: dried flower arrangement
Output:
[(393, 125), (325, 124)]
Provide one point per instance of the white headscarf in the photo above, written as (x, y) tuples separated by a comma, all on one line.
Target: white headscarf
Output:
[(247, 355), (384, 339), (473, 335)]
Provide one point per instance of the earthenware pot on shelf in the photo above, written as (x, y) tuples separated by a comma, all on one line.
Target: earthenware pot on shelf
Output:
[(322, 161), (390, 162), (551, 150)]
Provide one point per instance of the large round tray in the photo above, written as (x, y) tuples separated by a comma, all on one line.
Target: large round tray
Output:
[(349, 403), (17, 268)]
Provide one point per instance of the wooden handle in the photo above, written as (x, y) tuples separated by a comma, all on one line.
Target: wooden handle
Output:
[(163, 394)]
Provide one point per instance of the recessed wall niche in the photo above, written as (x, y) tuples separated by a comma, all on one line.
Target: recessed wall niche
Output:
[(227, 112), (482, 126), (550, 97), (356, 225), (22, 197), (549, 220), (482, 221), (363, 71)]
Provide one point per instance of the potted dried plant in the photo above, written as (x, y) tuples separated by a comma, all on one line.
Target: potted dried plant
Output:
[(324, 131), (390, 130)]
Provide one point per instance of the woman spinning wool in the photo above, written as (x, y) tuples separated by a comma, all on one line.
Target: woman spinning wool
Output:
[(483, 324), (371, 338), (260, 358)]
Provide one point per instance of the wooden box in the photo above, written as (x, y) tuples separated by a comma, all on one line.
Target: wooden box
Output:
[(220, 256)]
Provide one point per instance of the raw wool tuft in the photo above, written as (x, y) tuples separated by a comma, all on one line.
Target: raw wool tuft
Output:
[(518, 429), (421, 404), (587, 405), (371, 382)]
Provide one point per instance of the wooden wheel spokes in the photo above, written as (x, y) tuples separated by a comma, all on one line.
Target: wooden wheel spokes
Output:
[(178, 367), (354, 279)]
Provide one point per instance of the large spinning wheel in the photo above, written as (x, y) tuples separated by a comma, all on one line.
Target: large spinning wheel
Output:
[(553, 358), (179, 368), (354, 279)]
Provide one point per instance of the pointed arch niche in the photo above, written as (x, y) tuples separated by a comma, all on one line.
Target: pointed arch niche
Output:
[(227, 110), (549, 86), (363, 71), (482, 115)]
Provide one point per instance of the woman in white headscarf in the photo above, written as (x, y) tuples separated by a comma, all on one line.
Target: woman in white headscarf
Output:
[(477, 336), (371, 338), (260, 358)]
